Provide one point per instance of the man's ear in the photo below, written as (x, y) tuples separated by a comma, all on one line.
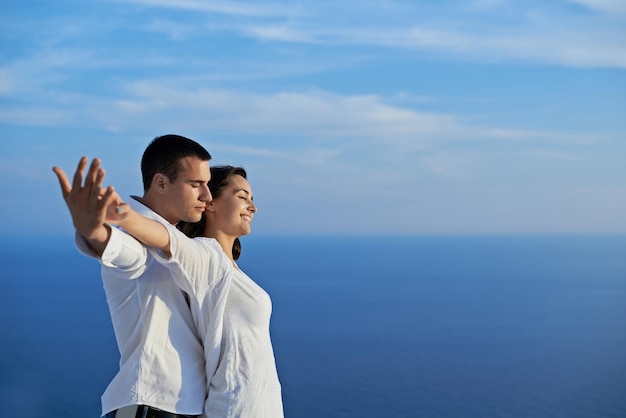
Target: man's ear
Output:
[(159, 183)]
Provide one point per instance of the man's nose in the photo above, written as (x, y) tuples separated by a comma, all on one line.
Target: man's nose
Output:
[(206, 196)]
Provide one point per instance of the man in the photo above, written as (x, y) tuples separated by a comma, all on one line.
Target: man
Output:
[(161, 358)]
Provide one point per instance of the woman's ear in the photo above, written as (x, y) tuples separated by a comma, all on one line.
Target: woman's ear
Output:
[(211, 207)]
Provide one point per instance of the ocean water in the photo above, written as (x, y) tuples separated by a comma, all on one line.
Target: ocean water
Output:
[(490, 326)]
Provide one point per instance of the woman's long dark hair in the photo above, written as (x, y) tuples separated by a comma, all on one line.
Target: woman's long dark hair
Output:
[(220, 178)]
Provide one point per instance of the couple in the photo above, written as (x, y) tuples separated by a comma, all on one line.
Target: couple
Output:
[(192, 329)]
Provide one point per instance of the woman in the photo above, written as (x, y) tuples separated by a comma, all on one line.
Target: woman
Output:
[(230, 310)]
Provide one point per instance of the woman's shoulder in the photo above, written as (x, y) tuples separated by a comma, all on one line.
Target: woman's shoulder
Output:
[(207, 241), (213, 247)]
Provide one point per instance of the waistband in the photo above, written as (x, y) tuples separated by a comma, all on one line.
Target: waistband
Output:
[(144, 411)]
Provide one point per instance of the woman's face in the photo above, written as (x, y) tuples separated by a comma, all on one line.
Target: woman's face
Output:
[(233, 210)]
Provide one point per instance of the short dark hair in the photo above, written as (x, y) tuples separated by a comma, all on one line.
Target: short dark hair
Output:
[(220, 178), (163, 155)]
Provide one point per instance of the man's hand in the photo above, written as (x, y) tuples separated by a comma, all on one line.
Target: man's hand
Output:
[(88, 203)]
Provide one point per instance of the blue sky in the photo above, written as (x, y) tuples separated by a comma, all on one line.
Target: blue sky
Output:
[(352, 117)]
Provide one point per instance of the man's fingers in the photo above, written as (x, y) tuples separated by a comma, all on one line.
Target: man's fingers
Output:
[(77, 182), (64, 182), (97, 191), (93, 180), (92, 176)]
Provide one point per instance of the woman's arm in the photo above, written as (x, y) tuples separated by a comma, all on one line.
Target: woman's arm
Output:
[(145, 230)]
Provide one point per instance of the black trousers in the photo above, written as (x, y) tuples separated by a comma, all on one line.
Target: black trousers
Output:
[(144, 411)]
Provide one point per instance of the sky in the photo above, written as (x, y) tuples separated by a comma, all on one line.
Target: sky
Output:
[(351, 117)]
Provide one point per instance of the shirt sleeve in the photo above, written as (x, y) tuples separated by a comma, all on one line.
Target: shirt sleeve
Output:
[(123, 256), (195, 263)]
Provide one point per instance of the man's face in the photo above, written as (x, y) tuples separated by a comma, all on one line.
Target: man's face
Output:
[(189, 194)]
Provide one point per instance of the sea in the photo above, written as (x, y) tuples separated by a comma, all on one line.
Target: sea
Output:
[(362, 326)]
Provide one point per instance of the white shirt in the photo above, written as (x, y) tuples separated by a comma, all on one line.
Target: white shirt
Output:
[(161, 356), (232, 314)]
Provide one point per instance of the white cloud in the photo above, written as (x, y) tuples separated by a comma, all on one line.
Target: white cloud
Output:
[(222, 7), (172, 29), (39, 116), (281, 33), (562, 46), (488, 4), (258, 152), (313, 114), (608, 6), (530, 34), (7, 82)]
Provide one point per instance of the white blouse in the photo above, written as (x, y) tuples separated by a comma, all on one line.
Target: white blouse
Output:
[(232, 314)]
